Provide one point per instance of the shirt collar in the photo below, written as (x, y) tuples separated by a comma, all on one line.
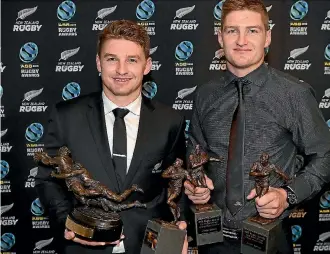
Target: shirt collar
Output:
[(257, 77), (134, 107)]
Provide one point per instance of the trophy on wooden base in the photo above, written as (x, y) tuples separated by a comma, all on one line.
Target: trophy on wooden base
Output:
[(206, 221), (260, 235), (163, 237), (96, 217)]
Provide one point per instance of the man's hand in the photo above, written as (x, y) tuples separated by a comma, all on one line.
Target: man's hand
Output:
[(183, 225), (69, 235), (198, 195), (272, 204)]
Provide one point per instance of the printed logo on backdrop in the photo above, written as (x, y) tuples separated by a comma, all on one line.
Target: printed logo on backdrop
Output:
[(65, 13), (2, 67), (38, 218), (180, 21), (31, 104), (325, 101), (8, 240), (27, 54), (298, 14), (30, 182), (70, 91), (217, 12), (326, 23), (298, 214), (270, 22), (183, 52), (5, 146), (328, 123), (327, 60), (5, 185), (155, 64), (33, 133), (324, 212), (2, 107), (182, 101), (186, 130), (218, 61), (24, 21), (7, 220), (144, 11), (102, 18), (149, 89), (69, 66), (295, 61), (323, 243), (41, 247), (296, 232)]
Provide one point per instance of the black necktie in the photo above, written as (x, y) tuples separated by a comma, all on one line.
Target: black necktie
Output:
[(234, 182), (119, 150)]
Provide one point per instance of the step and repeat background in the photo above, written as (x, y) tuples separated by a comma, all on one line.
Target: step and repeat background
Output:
[(48, 51)]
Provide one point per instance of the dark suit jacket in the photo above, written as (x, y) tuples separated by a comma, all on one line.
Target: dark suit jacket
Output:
[(80, 125)]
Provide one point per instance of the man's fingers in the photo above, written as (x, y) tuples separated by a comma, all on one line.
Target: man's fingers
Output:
[(68, 235), (201, 191), (90, 243), (189, 186), (209, 183), (200, 201), (252, 194), (266, 199), (182, 225)]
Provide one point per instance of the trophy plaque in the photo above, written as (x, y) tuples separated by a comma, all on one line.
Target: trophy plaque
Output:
[(205, 220), (260, 235), (163, 237), (95, 218)]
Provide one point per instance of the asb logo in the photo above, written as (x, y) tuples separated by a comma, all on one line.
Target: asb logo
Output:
[(184, 50), (299, 10), (7, 241), (327, 52), (28, 52), (149, 89), (66, 10), (36, 208), (4, 169), (34, 132), (145, 10), (325, 200), (217, 12), (70, 91), (296, 232)]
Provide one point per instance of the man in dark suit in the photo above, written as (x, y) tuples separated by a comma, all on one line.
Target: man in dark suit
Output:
[(154, 134), (249, 109)]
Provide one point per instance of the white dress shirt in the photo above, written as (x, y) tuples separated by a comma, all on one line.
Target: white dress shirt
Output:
[(132, 124)]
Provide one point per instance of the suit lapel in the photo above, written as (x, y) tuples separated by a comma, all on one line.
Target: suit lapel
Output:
[(96, 120), (145, 128)]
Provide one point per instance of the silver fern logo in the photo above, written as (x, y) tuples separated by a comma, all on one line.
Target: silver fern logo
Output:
[(32, 94), (28, 106), (3, 132), (326, 24), (323, 244), (155, 64), (30, 182), (101, 14), (63, 66), (325, 102), (22, 25), (180, 102), (270, 22), (218, 61), (2, 67), (6, 208), (25, 13), (183, 12), (102, 18), (5, 219), (43, 243), (185, 92), (297, 64), (69, 53), (184, 24), (297, 52)]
